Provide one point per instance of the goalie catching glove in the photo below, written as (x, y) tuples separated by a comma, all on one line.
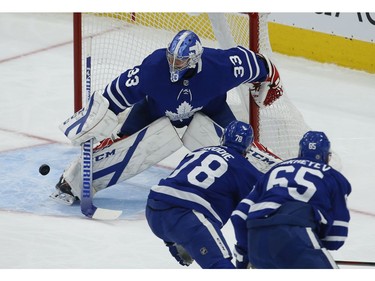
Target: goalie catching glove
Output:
[(95, 121), (268, 91)]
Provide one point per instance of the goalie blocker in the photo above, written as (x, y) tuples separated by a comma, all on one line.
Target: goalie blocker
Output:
[(130, 156)]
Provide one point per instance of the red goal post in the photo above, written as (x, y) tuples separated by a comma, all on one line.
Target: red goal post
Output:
[(122, 40)]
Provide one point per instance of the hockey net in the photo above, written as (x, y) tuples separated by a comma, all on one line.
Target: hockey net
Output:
[(122, 40)]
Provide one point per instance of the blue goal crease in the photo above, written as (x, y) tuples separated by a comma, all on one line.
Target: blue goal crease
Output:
[(23, 189)]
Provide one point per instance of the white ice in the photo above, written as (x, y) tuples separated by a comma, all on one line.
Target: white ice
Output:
[(36, 72)]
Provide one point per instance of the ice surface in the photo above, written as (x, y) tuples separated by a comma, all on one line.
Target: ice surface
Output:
[(36, 71)]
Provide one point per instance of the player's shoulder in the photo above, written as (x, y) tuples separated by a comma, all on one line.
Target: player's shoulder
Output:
[(223, 59), (344, 181), (154, 68), (239, 161), (299, 161), (227, 153), (156, 58), (213, 52)]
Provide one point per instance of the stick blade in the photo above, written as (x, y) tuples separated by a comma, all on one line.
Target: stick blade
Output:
[(106, 214), (91, 211), (356, 263)]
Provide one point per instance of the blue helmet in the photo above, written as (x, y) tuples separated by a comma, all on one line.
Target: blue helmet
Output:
[(315, 146), (238, 135), (183, 52)]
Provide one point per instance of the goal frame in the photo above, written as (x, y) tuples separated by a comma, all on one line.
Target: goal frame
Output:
[(278, 127)]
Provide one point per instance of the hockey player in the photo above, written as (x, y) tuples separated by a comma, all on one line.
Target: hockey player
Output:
[(165, 92), (188, 208), (295, 213)]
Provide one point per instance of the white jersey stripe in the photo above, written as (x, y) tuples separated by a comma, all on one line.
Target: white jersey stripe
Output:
[(341, 223), (257, 69), (215, 236), (263, 205), (188, 196), (240, 214), (122, 94), (316, 245), (113, 99)]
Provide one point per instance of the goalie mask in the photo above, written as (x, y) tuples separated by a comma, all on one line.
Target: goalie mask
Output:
[(184, 52), (315, 146), (238, 135)]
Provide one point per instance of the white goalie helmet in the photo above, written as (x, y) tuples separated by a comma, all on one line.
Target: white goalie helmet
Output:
[(183, 53)]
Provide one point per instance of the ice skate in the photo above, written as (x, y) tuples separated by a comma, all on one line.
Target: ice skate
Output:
[(63, 193)]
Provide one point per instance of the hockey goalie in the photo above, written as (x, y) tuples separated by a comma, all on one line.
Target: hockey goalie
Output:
[(181, 86)]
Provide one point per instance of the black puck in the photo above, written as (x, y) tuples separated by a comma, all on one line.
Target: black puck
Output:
[(44, 169)]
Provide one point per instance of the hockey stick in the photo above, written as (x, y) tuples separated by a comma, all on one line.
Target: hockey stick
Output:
[(87, 206), (357, 263)]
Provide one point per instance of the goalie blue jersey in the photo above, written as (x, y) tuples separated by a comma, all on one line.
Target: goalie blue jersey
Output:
[(222, 70), (211, 180), (301, 180)]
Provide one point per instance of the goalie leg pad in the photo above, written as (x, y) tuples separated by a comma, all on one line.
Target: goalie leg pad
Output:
[(127, 157), (202, 131), (261, 157)]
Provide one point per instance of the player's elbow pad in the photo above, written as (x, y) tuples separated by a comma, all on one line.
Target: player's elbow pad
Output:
[(95, 121)]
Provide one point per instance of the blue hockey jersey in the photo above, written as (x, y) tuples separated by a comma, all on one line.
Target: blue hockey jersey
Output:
[(222, 70), (302, 180), (211, 180)]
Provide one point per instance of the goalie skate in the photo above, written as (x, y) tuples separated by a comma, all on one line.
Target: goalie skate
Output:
[(62, 198), (63, 193)]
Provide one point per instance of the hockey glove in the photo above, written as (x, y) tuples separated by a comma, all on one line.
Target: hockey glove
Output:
[(268, 91), (179, 253), (242, 260), (94, 121)]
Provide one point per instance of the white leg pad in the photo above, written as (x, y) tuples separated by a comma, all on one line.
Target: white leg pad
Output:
[(202, 131), (261, 159), (128, 157)]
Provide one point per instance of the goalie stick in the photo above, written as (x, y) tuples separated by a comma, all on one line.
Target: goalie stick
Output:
[(87, 206), (357, 263)]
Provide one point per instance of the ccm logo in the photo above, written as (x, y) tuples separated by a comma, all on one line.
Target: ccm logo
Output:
[(104, 155), (262, 157)]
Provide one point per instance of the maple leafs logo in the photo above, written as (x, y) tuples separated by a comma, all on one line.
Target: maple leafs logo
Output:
[(184, 111)]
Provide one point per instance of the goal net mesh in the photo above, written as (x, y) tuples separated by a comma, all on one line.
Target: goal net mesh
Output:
[(120, 41)]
